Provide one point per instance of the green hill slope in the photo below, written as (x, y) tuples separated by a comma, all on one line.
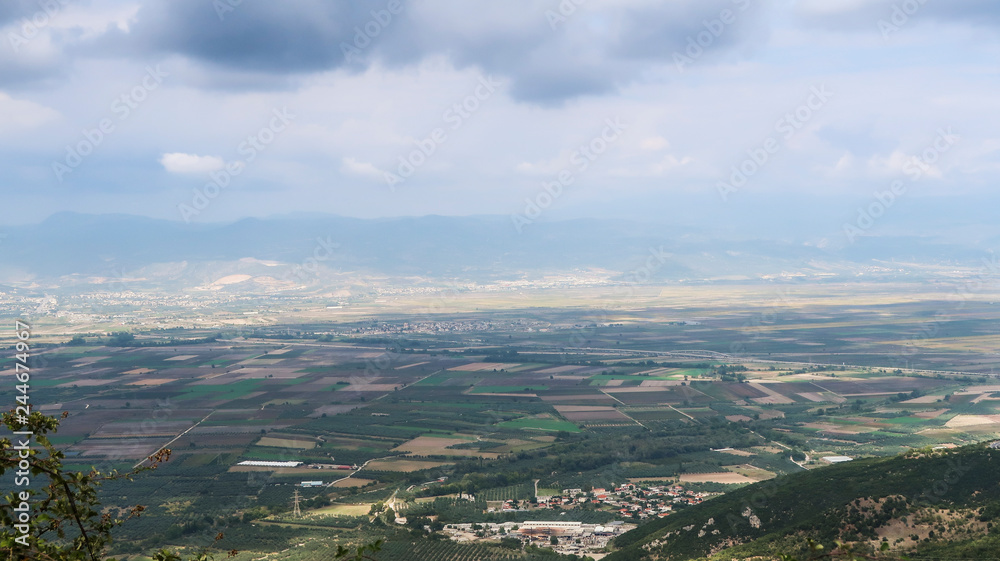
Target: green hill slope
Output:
[(942, 502)]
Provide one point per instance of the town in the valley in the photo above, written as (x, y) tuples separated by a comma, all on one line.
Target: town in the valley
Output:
[(630, 502)]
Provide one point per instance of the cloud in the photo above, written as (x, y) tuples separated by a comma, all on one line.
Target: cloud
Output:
[(654, 143), (18, 115), (597, 49), (366, 170), (178, 162)]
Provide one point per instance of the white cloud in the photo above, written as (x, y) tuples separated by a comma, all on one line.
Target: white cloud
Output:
[(178, 162), (16, 114), (900, 163), (367, 170), (654, 143)]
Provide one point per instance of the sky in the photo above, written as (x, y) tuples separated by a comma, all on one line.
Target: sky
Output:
[(214, 110)]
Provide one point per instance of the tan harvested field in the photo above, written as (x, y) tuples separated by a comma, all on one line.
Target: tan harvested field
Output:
[(972, 420), (351, 482), (370, 388), (434, 446), (405, 466), (480, 366), (139, 371), (657, 372), (738, 418), (924, 399), (627, 389), (343, 510), (262, 361), (718, 477), (753, 472), (181, 357), (152, 382), (659, 383), (773, 397), (584, 413), (983, 389), (279, 442), (123, 448), (85, 360), (86, 383)]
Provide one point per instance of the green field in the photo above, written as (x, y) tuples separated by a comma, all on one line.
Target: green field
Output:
[(541, 424)]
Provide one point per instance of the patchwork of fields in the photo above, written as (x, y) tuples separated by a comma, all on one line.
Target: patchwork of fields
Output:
[(448, 421)]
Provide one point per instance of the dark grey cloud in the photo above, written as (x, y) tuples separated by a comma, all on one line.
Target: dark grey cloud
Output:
[(547, 54), (288, 37), (24, 22)]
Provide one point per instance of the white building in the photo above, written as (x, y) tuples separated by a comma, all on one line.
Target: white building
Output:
[(553, 528)]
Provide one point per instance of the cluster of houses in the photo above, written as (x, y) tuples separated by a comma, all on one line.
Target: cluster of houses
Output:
[(629, 499), (562, 536)]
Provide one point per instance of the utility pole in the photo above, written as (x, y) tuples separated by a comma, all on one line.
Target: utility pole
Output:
[(296, 512)]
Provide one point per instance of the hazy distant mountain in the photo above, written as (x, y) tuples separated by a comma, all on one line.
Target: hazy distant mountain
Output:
[(302, 249)]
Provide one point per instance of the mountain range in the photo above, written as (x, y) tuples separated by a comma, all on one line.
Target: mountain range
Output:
[(70, 249)]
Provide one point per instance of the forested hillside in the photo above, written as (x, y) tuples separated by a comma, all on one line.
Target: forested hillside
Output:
[(940, 502)]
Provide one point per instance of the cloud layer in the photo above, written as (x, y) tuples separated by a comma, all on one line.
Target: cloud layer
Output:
[(389, 107)]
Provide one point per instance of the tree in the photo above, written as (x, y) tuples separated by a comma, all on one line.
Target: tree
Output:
[(64, 520), (122, 339), (68, 505)]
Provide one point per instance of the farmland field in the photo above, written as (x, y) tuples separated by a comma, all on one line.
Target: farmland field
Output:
[(438, 418)]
